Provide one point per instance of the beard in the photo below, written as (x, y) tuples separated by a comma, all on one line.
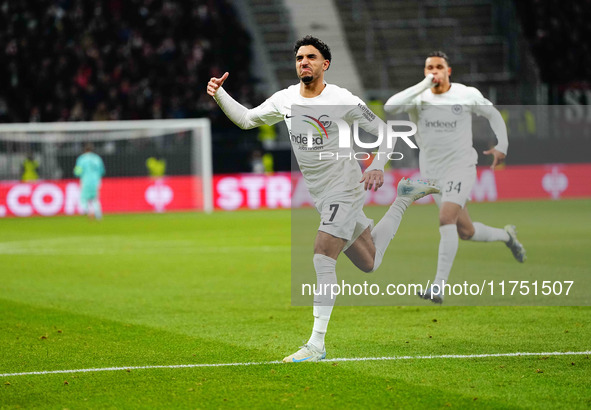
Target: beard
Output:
[(307, 79)]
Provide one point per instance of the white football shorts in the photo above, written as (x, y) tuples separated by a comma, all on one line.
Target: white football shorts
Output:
[(341, 215), (456, 186)]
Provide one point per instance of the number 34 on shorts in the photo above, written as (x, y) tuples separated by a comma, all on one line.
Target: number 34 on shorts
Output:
[(453, 186), (456, 188)]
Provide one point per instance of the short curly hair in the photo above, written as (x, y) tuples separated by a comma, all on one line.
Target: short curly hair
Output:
[(317, 43), (440, 54)]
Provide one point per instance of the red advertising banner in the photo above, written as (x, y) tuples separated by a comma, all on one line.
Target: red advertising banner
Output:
[(141, 194), (554, 181), (254, 191), (278, 190)]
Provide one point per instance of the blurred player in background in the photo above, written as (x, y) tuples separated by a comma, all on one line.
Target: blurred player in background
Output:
[(90, 169), (30, 169), (337, 186), (443, 114)]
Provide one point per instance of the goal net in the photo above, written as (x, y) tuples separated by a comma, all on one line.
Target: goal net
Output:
[(151, 166)]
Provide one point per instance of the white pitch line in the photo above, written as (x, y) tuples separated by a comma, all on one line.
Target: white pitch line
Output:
[(462, 356), (344, 359)]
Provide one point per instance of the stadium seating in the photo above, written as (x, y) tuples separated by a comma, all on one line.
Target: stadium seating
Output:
[(397, 34)]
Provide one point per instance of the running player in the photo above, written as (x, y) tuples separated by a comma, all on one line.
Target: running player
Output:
[(337, 186), (443, 114), (90, 169)]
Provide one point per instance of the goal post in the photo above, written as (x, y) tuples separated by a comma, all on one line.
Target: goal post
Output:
[(182, 147)]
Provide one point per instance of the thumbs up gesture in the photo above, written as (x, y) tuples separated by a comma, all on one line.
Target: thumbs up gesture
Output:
[(215, 83)]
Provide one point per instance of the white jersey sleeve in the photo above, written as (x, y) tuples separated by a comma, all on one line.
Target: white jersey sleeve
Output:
[(406, 99), (373, 124), (266, 113), (484, 108)]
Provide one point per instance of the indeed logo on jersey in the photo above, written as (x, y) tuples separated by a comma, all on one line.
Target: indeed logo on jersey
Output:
[(307, 142), (446, 125), (307, 132)]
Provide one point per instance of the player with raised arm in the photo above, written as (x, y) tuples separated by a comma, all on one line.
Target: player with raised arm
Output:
[(336, 186), (443, 114)]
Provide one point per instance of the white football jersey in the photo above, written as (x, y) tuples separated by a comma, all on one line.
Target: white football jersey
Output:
[(444, 123), (300, 114)]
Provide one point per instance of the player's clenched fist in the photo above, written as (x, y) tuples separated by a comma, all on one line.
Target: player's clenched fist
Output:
[(215, 83)]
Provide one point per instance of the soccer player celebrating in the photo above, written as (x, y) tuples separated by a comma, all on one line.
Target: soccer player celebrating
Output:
[(336, 186), (443, 114), (90, 169)]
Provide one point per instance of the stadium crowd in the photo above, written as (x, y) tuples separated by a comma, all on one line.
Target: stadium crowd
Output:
[(559, 33), (74, 60)]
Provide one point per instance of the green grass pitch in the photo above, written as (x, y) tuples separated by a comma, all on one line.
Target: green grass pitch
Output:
[(189, 288)]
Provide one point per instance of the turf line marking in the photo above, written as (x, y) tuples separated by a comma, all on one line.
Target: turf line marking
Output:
[(459, 356), (344, 359)]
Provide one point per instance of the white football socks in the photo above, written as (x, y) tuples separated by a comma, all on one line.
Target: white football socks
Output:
[(484, 233), (323, 303), (384, 231), (98, 211), (448, 247)]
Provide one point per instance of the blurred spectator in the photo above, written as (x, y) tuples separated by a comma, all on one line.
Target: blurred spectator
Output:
[(256, 162), (156, 166), (30, 169), (267, 136), (74, 60)]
